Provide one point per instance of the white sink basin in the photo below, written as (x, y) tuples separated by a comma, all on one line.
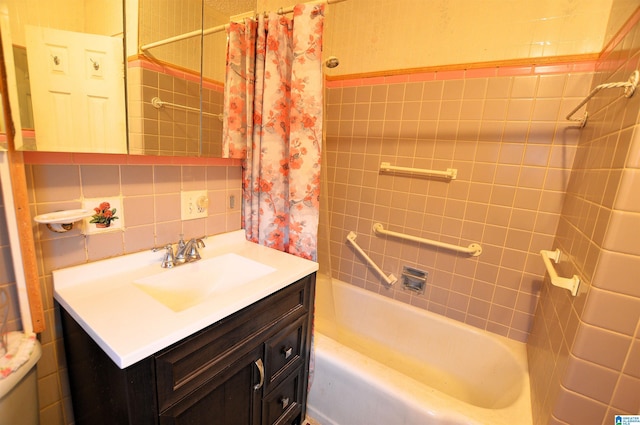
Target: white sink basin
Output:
[(188, 285)]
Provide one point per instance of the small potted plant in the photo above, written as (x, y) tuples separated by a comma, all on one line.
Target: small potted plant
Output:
[(104, 215)]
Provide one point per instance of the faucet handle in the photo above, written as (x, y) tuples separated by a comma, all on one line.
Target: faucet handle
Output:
[(169, 259), (193, 245)]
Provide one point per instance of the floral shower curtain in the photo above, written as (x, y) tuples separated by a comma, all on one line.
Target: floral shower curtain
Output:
[(273, 119)]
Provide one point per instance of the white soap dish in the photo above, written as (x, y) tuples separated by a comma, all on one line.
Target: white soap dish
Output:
[(62, 221)]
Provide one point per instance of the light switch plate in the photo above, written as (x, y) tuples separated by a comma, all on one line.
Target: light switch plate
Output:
[(193, 204)]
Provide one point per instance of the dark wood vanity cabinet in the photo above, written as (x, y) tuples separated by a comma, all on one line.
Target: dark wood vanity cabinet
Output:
[(250, 368)]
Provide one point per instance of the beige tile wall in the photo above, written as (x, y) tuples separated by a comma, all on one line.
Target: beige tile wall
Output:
[(170, 130), (151, 217), (161, 19), (584, 352), (513, 150)]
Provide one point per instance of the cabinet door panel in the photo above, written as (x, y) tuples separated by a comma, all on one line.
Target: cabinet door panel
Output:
[(188, 364), (229, 399), (283, 403), (285, 351)]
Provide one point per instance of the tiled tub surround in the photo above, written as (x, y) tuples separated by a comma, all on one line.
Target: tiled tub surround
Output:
[(506, 135), (170, 130), (151, 217), (584, 352)]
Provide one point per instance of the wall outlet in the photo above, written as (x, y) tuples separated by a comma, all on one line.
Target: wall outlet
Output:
[(193, 204)]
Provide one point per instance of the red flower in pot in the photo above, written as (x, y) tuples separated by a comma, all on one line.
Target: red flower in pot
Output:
[(104, 215)]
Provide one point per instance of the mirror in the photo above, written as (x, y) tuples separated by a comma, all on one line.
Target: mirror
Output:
[(68, 68), (175, 81), (10, 93), (188, 73)]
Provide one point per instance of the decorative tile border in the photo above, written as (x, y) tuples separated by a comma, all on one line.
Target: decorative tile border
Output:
[(115, 159), (465, 72), (144, 63)]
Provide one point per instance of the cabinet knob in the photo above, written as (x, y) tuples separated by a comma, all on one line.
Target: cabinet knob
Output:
[(287, 352), (285, 402)]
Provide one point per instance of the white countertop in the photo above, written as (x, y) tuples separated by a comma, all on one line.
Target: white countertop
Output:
[(130, 325)]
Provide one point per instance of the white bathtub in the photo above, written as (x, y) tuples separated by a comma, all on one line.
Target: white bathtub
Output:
[(382, 362)]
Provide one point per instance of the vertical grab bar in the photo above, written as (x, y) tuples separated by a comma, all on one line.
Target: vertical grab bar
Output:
[(391, 279), (570, 283)]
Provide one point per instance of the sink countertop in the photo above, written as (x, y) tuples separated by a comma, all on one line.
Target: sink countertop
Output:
[(130, 325)]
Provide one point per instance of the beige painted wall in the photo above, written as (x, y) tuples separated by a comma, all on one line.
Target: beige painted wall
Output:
[(88, 16), (619, 14), (379, 35)]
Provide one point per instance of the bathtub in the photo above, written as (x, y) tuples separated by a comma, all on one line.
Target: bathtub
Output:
[(382, 362)]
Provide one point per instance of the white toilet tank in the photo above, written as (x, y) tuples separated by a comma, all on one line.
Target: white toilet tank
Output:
[(18, 383)]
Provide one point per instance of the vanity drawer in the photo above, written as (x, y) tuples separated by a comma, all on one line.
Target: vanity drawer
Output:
[(283, 403), (187, 365), (285, 352)]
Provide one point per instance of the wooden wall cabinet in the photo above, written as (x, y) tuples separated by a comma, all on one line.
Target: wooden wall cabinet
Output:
[(250, 368)]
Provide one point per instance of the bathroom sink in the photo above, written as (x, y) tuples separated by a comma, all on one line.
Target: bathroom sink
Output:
[(188, 285)]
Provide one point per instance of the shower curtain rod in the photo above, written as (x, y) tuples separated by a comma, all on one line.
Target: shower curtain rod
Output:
[(213, 30)]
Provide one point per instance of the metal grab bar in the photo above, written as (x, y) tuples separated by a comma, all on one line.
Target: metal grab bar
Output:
[(450, 173), (629, 88), (391, 279), (158, 103), (473, 249), (571, 283)]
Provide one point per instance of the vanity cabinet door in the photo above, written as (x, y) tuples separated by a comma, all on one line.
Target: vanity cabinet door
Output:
[(284, 403), (232, 398), (247, 369)]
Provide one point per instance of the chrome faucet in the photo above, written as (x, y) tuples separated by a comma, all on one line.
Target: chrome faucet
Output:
[(169, 260), (186, 252)]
